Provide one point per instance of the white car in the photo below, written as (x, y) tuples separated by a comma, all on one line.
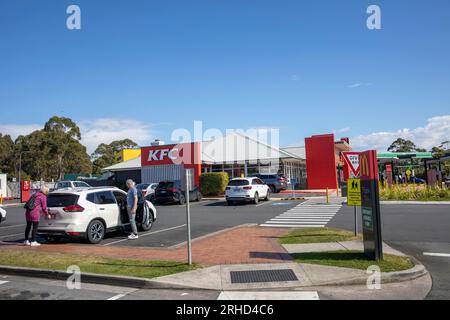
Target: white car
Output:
[(91, 213), (2, 214), (60, 185), (148, 190), (246, 189)]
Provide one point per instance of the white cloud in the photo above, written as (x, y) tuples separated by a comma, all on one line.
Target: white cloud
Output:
[(94, 132), (357, 85), (15, 130), (436, 130), (106, 130)]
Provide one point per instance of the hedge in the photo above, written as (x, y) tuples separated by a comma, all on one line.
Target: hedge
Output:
[(213, 183)]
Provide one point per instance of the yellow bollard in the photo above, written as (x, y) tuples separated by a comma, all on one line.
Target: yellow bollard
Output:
[(328, 197), (1, 199)]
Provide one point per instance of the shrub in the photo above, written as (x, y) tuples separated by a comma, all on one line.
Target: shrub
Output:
[(213, 183), (414, 192)]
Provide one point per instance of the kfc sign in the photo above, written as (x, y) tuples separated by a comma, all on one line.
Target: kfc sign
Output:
[(186, 153), (160, 155)]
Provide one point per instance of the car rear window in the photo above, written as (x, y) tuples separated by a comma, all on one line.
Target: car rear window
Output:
[(61, 200), (165, 185), (240, 182)]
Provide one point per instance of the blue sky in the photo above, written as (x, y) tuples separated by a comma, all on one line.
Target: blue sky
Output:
[(305, 67)]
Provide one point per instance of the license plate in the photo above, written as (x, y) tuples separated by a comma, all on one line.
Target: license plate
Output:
[(237, 189), (163, 191)]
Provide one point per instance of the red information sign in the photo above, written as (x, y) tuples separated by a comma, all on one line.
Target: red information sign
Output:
[(368, 167)]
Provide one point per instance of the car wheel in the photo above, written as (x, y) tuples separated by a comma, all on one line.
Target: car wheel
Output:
[(199, 197), (267, 198), (148, 224), (256, 199), (182, 199), (95, 232), (272, 188)]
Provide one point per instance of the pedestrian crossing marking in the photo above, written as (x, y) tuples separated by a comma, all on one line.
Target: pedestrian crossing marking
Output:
[(309, 214)]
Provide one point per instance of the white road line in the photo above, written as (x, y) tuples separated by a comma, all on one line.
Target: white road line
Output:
[(14, 226), (296, 220), (293, 226), (309, 215), (3, 282), (145, 234), (11, 235), (117, 297), (262, 203), (268, 295), (447, 255)]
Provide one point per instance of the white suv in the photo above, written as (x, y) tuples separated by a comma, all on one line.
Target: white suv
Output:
[(246, 189), (2, 214), (90, 213), (60, 185)]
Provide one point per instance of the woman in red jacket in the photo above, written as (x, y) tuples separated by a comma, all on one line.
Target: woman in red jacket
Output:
[(33, 216)]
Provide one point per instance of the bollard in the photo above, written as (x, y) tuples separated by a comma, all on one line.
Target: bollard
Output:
[(328, 197), (1, 199)]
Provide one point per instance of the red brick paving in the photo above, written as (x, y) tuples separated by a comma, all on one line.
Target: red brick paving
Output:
[(241, 245)]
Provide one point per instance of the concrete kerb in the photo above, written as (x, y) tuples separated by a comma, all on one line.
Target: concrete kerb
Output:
[(119, 281), (178, 281)]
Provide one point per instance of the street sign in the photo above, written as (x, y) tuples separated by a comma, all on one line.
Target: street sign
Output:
[(370, 205), (352, 160), (354, 192)]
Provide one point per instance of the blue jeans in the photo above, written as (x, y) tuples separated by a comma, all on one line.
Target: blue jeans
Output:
[(132, 217)]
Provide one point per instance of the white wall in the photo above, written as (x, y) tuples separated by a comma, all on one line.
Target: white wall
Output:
[(3, 185)]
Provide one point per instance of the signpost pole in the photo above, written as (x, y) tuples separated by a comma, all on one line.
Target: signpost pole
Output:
[(188, 218), (356, 221)]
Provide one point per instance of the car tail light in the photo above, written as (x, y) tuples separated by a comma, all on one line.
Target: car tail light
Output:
[(74, 233), (172, 189), (73, 208), (248, 188), (280, 179)]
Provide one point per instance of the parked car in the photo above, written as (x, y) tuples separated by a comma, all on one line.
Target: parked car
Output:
[(2, 214), (172, 192), (417, 180), (275, 182), (60, 185), (246, 189), (148, 190), (447, 182), (90, 213)]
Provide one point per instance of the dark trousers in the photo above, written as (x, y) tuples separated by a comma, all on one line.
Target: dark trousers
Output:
[(30, 224)]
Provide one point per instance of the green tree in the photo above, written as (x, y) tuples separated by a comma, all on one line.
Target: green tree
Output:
[(6, 154), (108, 154), (441, 150), (53, 151), (402, 145)]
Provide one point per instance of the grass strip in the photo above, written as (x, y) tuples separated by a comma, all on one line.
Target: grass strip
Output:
[(93, 264), (317, 235), (353, 259)]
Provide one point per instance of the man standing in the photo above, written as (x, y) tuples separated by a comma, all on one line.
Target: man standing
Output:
[(132, 202)]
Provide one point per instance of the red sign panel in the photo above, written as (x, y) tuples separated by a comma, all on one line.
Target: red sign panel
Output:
[(186, 153), (368, 167)]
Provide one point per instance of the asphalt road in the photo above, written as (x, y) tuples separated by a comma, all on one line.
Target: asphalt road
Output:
[(170, 227), (414, 230)]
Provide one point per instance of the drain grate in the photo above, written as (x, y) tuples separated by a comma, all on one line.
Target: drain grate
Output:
[(263, 276)]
